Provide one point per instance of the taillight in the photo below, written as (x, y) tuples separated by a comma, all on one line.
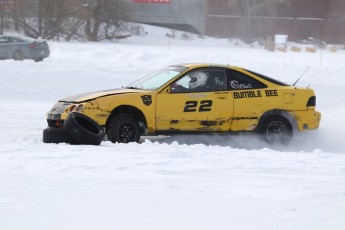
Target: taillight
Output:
[(311, 101), (32, 45)]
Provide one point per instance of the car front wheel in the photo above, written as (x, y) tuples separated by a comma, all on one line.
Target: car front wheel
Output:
[(123, 129), (38, 59), (277, 130)]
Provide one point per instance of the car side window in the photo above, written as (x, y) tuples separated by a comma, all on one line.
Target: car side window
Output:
[(201, 80), (217, 79), (3, 40), (241, 81), (15, 40)]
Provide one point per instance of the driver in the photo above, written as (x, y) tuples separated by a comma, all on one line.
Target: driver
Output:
[(198, 81)]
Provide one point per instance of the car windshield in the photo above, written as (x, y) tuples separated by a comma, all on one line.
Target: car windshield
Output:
[(157, 79)]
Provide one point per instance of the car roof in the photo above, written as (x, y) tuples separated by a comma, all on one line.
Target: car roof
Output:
[(195, 65), (19, 36), (198, 65)]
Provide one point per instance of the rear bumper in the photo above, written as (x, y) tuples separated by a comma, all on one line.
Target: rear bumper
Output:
[(39, 53), (308, 120)]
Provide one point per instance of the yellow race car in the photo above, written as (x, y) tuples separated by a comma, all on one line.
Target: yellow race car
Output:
[(186, 98)]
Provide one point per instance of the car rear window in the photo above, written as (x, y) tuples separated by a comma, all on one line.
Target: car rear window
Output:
[(27, 39), (267, 78)]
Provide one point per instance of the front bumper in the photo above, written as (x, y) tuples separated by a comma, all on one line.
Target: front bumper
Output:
[(61, 110), (58, 111), (57, 114)]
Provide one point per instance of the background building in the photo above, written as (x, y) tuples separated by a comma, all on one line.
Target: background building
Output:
[(177, 14), (299, 19), (247, 19)]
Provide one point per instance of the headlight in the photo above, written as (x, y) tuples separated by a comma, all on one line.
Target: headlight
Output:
[(72, 108), (76, 108), (79, 108)]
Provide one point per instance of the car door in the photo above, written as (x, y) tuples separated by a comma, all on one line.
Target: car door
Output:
[(249, 100), (180, 108), (3, 46)]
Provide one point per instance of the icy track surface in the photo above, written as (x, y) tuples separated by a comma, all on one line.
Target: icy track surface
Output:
[(170, 183)]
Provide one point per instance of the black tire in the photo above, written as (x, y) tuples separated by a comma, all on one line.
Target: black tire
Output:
[(277, 130), (123, 129), (83, 129), (57, 135), (17, 55), (38, 59)]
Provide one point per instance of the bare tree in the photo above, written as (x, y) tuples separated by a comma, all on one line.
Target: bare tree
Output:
[(52, 14), (73, 24), (45, 19), (54, 19), (102, 15), (18, 12), (5, 10), (249, 11)]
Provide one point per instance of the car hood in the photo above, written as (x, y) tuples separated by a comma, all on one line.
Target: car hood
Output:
[(93, 95)]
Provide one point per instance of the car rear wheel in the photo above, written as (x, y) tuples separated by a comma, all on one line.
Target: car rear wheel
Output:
[(17, 55), (123, 129), (277, 130)]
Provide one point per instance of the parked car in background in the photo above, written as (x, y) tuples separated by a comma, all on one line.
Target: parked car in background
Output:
[(20, 48)]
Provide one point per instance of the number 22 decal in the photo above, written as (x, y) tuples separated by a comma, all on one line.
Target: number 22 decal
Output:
[(191, 106)]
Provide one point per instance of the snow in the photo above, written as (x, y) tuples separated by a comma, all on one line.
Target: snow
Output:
[(181, 182)]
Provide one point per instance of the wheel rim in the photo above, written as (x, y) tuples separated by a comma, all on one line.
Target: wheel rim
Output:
[(126, 132), (278, 132)]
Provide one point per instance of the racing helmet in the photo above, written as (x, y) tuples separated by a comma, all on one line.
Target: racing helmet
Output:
[(197, 79)]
